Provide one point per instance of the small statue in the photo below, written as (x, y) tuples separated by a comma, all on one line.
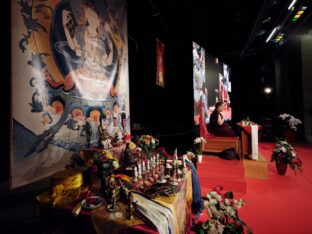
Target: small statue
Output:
[(128, 158), (131, 207), (113, 192), (105, 139)]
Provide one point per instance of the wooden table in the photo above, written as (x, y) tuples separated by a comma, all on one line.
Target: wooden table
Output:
[(179, 203)]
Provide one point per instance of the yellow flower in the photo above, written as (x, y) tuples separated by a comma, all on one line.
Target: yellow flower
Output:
[(109, 156), (132, 146)]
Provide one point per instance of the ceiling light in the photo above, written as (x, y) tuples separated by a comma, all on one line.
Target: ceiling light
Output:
[(266, 20), (272, 34), (267, 90), (261, 32), (292, 4)]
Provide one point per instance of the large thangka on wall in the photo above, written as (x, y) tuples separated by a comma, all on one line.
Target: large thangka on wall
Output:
[(69, 81)]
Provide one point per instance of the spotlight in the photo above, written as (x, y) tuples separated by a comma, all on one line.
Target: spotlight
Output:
[(267, 90)]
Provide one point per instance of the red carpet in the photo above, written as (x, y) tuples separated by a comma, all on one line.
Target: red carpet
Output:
[(214, 171), (280, 204)]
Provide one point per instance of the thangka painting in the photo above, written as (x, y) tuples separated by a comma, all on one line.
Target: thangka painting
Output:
[(160, 53), (69, 81), (199, 80)]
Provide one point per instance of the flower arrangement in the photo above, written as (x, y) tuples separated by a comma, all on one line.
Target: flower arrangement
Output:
[(290, 121), (94, 163), (197, 145), (284, 152), (147, 143), (222, 213)]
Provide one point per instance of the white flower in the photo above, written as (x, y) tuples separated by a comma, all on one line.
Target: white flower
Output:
[(153, 141), (115, 164), (227, 202), (238, 204), (218, 197), (213, 202), (283, 149), (231, 211), (291, 120), (199, 140), (213, 193), (284, 116)]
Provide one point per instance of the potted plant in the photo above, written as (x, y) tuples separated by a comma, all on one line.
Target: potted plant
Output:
[(284, 154), (290, 126), (198, 148)]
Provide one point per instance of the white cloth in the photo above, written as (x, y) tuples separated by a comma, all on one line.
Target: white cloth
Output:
[(254, 142), (159, 215)]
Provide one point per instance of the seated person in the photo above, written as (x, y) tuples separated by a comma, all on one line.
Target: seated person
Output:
[(217, 125)]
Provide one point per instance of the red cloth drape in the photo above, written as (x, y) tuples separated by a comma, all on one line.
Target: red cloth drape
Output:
[(202, 125)]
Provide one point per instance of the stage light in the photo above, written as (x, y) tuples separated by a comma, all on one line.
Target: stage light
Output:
[(267, 90), (298, 14), (272, 34), (292, 4)]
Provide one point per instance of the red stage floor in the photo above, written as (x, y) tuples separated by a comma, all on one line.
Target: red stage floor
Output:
[(280, 204)]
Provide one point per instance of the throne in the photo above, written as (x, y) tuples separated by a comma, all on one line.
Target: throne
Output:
[(216, 144)]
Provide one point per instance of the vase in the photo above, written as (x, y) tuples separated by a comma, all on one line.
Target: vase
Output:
[(289, 135), (199, 158), (281, 167)]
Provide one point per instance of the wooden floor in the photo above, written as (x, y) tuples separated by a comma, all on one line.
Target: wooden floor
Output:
[(257, 169)]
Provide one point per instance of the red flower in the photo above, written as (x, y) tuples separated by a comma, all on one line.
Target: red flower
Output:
[(103, 159), (280, 155), (94, 168)]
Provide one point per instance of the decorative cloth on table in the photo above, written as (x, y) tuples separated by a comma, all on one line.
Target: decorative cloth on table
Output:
[(160, 216), (254, 142), (197, 205)]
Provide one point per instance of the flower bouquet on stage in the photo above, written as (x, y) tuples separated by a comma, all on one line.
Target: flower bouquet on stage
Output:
[(222, 210), (290, 124), (285, 154), (198, 148), (147, 143)]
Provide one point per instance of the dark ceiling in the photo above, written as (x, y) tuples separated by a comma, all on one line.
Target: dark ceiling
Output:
[(232, 29)]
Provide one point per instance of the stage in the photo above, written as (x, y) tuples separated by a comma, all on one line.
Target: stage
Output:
[(270, 203)]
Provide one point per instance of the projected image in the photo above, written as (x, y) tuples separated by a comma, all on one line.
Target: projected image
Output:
[(198, 78), (211, 83), (224, 89)]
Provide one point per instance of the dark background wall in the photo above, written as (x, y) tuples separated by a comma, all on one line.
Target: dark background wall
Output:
[(288, 80), (167, 113), (5, 92), (306, 50)]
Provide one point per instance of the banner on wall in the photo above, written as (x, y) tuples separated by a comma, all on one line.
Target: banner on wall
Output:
[(69, 81), (160, 54)]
